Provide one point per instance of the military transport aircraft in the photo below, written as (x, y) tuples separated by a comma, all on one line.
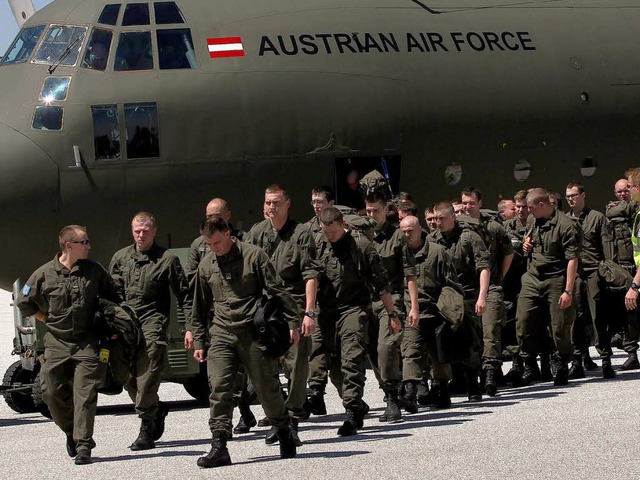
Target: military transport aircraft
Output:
[(113, 106)]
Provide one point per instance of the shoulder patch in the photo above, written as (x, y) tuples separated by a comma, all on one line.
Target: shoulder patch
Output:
[(26, 290)]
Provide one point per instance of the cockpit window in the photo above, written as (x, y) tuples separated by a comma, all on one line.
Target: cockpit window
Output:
[(136, 14), (61, 45), (175, 49), (167, 12), (134, 52), (106, 132), (97, 52), (23, 46), (47, 118), (109, 15), (55, 89), (141, 123)]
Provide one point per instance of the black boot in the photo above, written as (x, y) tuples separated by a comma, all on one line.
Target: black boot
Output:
[(350, 426), (631, 363), (287, 442), (514, 375), (83, 457), (576, 370), (219, 455), (316, 403), (247, 419), (562, 373), (458, 384), (71, 446), (294, 433), (145, 437), (545, 367), (158, 421), (392, 413), (530, 370), (490, 385), (473, 386), (410, 397), (617, 341), (589, 364), (272, 436), (422, 393), (607, 369), (444, 399)]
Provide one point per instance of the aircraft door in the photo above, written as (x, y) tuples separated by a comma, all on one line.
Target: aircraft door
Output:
[(349, 171)]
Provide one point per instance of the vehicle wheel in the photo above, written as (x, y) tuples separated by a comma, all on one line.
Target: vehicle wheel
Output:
[(18, 401), (198, 386), (38, 401)]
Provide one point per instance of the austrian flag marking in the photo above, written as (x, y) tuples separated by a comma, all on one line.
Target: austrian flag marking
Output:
[(225, 47)]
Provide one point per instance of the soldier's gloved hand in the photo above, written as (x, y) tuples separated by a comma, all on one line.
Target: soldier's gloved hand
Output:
[(126, 328)]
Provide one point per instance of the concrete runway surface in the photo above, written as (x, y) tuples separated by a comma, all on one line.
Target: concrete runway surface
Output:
[(587, 430)]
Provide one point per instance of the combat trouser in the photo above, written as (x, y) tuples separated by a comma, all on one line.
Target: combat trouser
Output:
[(473, 326), (631, 331), (149, 365), (296, 370), (227, 352), (596, 299), (493, 320), (344, 338), (537, 303), (389, 355), (318, 367), (414, 341), (70, 376)]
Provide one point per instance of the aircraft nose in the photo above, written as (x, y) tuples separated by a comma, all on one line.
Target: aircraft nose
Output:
[(28, 205)]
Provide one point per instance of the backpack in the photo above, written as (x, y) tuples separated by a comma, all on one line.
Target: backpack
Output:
[(375, 182), (475, 225), (620, 216), (358, 223)]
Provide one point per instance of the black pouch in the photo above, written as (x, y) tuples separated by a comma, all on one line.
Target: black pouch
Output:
[(271, 327)]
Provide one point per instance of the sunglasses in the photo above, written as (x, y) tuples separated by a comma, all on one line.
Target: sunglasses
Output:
[(81, 242)]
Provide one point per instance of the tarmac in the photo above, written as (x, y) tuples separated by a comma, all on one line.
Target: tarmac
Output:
[(586, 430)]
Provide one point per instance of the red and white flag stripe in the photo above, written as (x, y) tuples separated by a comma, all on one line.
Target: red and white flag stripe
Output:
[(225, 47)]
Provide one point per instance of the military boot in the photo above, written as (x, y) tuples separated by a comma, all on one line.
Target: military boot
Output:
[(316, 403), (562, 373), (458, 384), (83, 457), (219, 455), (631, 363), (422, 393), (159, 420), (392, 413), (588, 362), (410, 397), (545, 367), (530, 370), (607, 369), (145, 437), (287, 442), (490, 384), (443, 400), (473, 386), (247, 419), (617, 341), (514, 375), (71, 446), (349, 427), (576, 370)]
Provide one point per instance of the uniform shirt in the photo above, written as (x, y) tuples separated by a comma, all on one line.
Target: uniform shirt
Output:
[(556, 240), (351, 267), (468, 254), (499, 249), (233, 284), (144, 280), (595, 237), (314, 225), (69, 298), (434, 270), (393, 250), (198, 250), (291, 250)]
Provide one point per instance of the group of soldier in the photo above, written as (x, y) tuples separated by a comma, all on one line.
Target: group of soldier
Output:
[(430, 310)]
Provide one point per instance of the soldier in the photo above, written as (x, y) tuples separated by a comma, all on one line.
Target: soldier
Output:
[(590, 296), (351, 269), (399, 264), (144, 274), (63, 294), (631, 297), (622, 191), (506, 209), (434, 271), (552, 243), (430, 219), (322, 197), (407, 208), (291, 248), (231, 281), (500, 258), (470, 259)]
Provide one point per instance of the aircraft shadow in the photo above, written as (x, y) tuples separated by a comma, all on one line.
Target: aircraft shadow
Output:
[(16, 422)]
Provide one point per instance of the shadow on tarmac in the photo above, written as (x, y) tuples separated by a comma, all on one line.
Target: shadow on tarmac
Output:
[(16, 422)]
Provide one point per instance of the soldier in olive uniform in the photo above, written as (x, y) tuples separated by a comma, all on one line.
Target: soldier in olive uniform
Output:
[(434, 270), (591, 298), (494, 318), (291, 248), (145, 273), (553, 246), (232, 281), (351, 268), (470, 258), (63, 294), (322, 196)]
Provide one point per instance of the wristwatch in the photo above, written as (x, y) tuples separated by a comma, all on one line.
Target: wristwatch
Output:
[(569, 292), (311, 314), (634, 286)]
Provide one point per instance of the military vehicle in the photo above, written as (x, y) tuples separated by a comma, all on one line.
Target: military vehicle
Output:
[(110, 107)]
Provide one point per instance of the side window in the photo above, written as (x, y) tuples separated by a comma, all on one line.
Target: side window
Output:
[(136, 14), (23, 46), (167, 12), (109, 15), (141, 123), (175, 49), (97, 52), (106, 132), (55, 89), (47, 118), (134, 52), (61, 45)]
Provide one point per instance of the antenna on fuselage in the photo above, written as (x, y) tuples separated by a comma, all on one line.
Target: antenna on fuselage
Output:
[(22, 10)]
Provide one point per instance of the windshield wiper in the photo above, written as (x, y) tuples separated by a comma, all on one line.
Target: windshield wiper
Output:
[(63, 55)]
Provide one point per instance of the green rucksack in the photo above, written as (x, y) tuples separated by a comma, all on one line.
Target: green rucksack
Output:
[(475, 225), (620, 216), (359, 223), (375, 182)]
